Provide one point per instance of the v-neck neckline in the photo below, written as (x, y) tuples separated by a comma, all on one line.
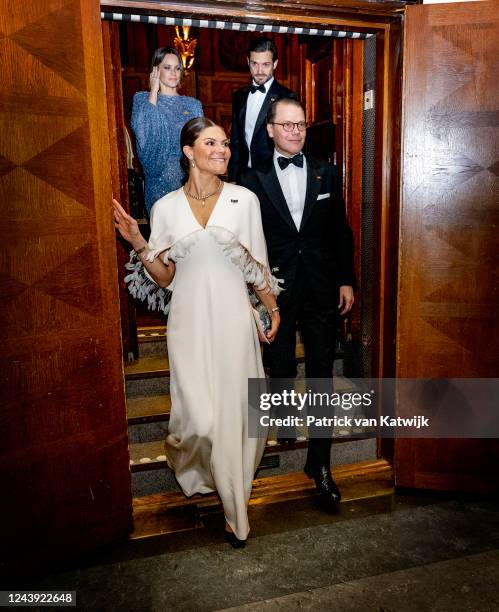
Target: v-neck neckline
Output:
[(213, 210)]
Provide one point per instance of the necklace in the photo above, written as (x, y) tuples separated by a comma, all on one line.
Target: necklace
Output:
[(205, 197)]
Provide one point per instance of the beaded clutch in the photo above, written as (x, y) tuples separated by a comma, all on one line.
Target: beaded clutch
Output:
[(262, 319)]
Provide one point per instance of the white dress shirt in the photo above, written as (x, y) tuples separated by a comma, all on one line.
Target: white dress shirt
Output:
[(293, 181), (253, 107)]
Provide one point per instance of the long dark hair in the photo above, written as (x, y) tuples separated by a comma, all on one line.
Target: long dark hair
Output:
[(188, 136), (159, 56)]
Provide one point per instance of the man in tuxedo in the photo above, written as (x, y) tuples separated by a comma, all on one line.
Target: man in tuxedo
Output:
[(310, 246), (249, 141)]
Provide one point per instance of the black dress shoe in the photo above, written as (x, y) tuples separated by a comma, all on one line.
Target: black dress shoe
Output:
[(286, 440), (233, 540), (329, 494)]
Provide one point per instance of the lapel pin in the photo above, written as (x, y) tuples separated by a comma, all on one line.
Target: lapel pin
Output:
[(318, 178)]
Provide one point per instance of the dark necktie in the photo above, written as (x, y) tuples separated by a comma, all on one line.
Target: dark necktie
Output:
[(284, 162), (254, 88)]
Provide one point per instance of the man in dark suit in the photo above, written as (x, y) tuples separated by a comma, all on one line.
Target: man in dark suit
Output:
[(249, 141), (310, 246)]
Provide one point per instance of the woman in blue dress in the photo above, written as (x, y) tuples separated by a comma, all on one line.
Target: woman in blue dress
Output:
[(158, 116)]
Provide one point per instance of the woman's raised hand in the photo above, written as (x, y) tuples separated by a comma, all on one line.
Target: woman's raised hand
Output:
[(154, 80), (127, 225)]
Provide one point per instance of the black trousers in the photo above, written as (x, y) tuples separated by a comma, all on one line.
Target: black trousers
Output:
[(317, 324)]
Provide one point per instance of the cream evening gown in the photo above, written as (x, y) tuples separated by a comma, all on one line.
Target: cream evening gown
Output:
[(213, 345)]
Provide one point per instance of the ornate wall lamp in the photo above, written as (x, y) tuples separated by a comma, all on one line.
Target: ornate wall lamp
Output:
[(185, 46)]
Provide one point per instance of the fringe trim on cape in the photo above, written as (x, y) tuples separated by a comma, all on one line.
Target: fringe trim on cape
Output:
[(142, 287), (254, 272)]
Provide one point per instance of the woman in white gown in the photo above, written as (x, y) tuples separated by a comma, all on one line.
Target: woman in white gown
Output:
[(206, 245)]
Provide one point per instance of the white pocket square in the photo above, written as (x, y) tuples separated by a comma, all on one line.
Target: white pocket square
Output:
[(323, 196)]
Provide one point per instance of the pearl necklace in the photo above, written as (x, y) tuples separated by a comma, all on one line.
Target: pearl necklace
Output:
[(205, 197)]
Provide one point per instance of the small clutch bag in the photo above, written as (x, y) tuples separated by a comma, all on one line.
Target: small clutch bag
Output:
[(262, 317)]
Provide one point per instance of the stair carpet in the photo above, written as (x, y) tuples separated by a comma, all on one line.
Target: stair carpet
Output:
[(148, 408)]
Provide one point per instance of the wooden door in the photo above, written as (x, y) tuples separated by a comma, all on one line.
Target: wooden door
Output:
[(448, 274), (63, 433), (119, 176), (317, 94), (331, 87)]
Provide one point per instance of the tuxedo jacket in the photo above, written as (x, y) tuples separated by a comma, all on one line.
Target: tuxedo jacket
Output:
[(262, 147), (323, 245)]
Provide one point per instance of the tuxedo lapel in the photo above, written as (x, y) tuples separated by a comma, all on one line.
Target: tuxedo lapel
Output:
[(314, 181), (272, 188), (269, 98), (242, 112)]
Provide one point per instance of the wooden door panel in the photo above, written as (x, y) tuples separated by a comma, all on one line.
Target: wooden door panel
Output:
[(119, 174), (332, 90), (448, 296), (63, 433)]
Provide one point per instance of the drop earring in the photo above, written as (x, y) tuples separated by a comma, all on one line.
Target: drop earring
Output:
[(193, 163)]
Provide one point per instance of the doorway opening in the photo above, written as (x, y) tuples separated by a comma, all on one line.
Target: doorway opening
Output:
[(337, 78)]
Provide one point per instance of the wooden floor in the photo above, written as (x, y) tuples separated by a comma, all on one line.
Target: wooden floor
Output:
[(172, 512)]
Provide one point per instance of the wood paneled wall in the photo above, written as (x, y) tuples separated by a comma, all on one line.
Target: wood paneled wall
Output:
[(448, 277), (64, 466)]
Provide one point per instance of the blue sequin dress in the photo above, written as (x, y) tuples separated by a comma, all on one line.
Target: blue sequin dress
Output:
[(157, 131)]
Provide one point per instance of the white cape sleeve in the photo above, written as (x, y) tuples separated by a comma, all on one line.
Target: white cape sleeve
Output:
[(243, 240)]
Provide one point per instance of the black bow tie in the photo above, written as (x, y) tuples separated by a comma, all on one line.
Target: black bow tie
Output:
[(284, 162), (254, 88)]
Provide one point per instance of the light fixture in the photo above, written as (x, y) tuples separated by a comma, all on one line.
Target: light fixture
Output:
[(185, 46)]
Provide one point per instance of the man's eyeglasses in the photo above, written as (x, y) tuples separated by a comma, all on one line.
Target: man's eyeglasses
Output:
[(289, 126)]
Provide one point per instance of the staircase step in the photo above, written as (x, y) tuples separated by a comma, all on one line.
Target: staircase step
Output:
[(147, 367), (147, 386), (148, 335), (148, 409), (153, 366), (151, 455), (171, 512), (151, 334), (152, 341), (146, 456), (156, 407)]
